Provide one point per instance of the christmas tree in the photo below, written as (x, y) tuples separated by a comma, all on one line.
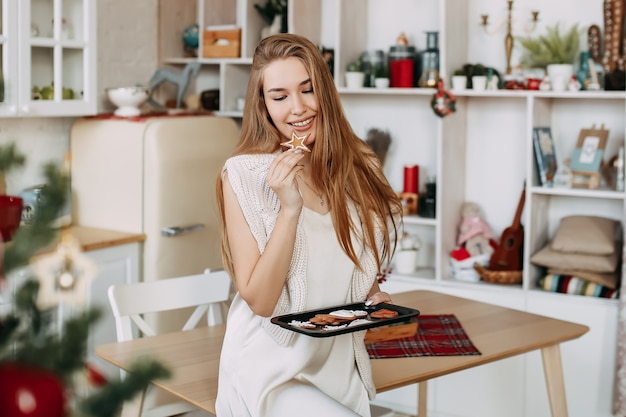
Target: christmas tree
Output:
[(43, 367)]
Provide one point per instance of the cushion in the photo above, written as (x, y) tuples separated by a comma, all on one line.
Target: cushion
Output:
[(572, 285), (586, 234), (551, 258), (609, 280)]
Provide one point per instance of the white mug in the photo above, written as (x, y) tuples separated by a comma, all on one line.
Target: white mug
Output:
[(405, 261)]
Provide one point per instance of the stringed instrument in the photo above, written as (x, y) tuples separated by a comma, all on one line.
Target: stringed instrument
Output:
[(508, 256)]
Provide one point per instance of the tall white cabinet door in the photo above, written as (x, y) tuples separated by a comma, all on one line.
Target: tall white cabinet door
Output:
[(181, 162), (116, 265)]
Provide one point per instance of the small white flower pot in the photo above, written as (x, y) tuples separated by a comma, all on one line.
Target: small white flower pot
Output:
[(559, 75), (381, 82), (479, 82), (355, 79), (459, 82)]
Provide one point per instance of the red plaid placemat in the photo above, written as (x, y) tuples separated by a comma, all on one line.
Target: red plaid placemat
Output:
[(437, 335)]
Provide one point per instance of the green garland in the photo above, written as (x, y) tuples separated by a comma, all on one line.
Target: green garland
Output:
[(28, 335)]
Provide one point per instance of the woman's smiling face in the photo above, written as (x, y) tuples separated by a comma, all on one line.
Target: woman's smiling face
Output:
[(290, 99)]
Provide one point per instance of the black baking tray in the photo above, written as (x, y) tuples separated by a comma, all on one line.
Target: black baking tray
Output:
[(404, 313)]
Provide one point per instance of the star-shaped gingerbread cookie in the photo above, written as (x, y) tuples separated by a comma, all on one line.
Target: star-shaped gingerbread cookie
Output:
[(296, 142)]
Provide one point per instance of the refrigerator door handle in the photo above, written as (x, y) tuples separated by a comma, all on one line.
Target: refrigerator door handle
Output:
[(180, 230)]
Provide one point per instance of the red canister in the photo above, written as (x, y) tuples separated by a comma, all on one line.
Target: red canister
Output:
[(402, 66)]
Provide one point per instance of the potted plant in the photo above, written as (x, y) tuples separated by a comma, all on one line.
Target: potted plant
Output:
[(354, 74), (554, 52), (459, 80), (479, 77), (381, 76), (405, 259)]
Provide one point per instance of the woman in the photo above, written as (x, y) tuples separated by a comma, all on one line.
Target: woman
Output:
[(307, 217)]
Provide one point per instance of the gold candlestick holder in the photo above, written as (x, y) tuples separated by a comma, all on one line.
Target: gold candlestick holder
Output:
[(508, 38)]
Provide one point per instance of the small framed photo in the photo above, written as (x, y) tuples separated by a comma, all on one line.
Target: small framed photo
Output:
[(589, 152), (545, 155)]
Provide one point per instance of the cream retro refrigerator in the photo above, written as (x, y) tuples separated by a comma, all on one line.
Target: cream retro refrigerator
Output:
[(156, 176)]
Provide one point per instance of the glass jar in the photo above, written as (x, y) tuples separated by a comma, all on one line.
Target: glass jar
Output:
[(402, 66), (430, 62), (371, 62)]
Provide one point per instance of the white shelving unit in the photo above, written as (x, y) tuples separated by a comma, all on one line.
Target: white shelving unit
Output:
[(481, 153), (48, 43)]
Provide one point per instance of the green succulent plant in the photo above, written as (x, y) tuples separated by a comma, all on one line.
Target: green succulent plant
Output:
[(550, 48), (355, 66)]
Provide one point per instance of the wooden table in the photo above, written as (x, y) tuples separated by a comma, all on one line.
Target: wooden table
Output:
[(498, 332)]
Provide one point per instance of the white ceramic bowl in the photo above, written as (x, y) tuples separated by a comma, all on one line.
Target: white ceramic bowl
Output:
[(128, 99)]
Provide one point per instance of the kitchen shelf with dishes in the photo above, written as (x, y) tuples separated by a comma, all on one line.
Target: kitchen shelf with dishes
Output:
[(48, 58)]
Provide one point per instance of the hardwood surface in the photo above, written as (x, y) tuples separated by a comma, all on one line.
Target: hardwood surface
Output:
[(93, 239), (498, 332)]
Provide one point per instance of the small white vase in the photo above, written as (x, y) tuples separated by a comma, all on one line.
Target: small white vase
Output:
[(459, 82), (560, 75), (381, 82), (355, 79), (479, 82)]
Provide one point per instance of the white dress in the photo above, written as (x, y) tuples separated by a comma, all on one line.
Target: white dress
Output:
[(309, 377)]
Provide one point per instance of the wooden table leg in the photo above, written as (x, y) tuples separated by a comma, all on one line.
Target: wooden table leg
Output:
[(553, 370), (422, 397)]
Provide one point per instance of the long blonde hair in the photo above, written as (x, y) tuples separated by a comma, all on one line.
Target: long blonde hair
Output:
[(347, 169)]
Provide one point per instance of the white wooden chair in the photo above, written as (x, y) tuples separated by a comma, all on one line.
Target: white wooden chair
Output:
[(207, 292)]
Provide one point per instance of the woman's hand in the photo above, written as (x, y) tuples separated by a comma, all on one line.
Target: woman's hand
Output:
[(281, 178), (377, 298)]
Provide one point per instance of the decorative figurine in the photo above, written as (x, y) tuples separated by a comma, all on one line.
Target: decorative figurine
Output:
[(573, 84), (180, 79), (474, 232), (545, 84)]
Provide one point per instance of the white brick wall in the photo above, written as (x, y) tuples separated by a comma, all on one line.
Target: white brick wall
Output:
[(127, 55)]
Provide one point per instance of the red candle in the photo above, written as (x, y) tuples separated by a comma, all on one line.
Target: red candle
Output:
[(411, 178)]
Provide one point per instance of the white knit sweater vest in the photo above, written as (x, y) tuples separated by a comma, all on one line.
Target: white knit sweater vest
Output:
[(260, 207)]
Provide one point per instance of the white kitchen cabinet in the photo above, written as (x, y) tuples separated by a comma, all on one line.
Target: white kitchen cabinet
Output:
[(116, 265), (48, 45)]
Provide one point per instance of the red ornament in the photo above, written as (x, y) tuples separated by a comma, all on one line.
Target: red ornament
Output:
[(10, 215), (94, 376), (443, 102), (30, 392)]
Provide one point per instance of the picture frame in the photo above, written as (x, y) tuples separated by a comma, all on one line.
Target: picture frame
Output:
[(589, 153), (545, 155)]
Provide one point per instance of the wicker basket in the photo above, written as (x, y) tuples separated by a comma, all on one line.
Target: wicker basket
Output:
[(498, 277)]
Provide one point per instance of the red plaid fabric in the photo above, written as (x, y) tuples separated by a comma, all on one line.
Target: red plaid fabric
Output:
[(437, 335)]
